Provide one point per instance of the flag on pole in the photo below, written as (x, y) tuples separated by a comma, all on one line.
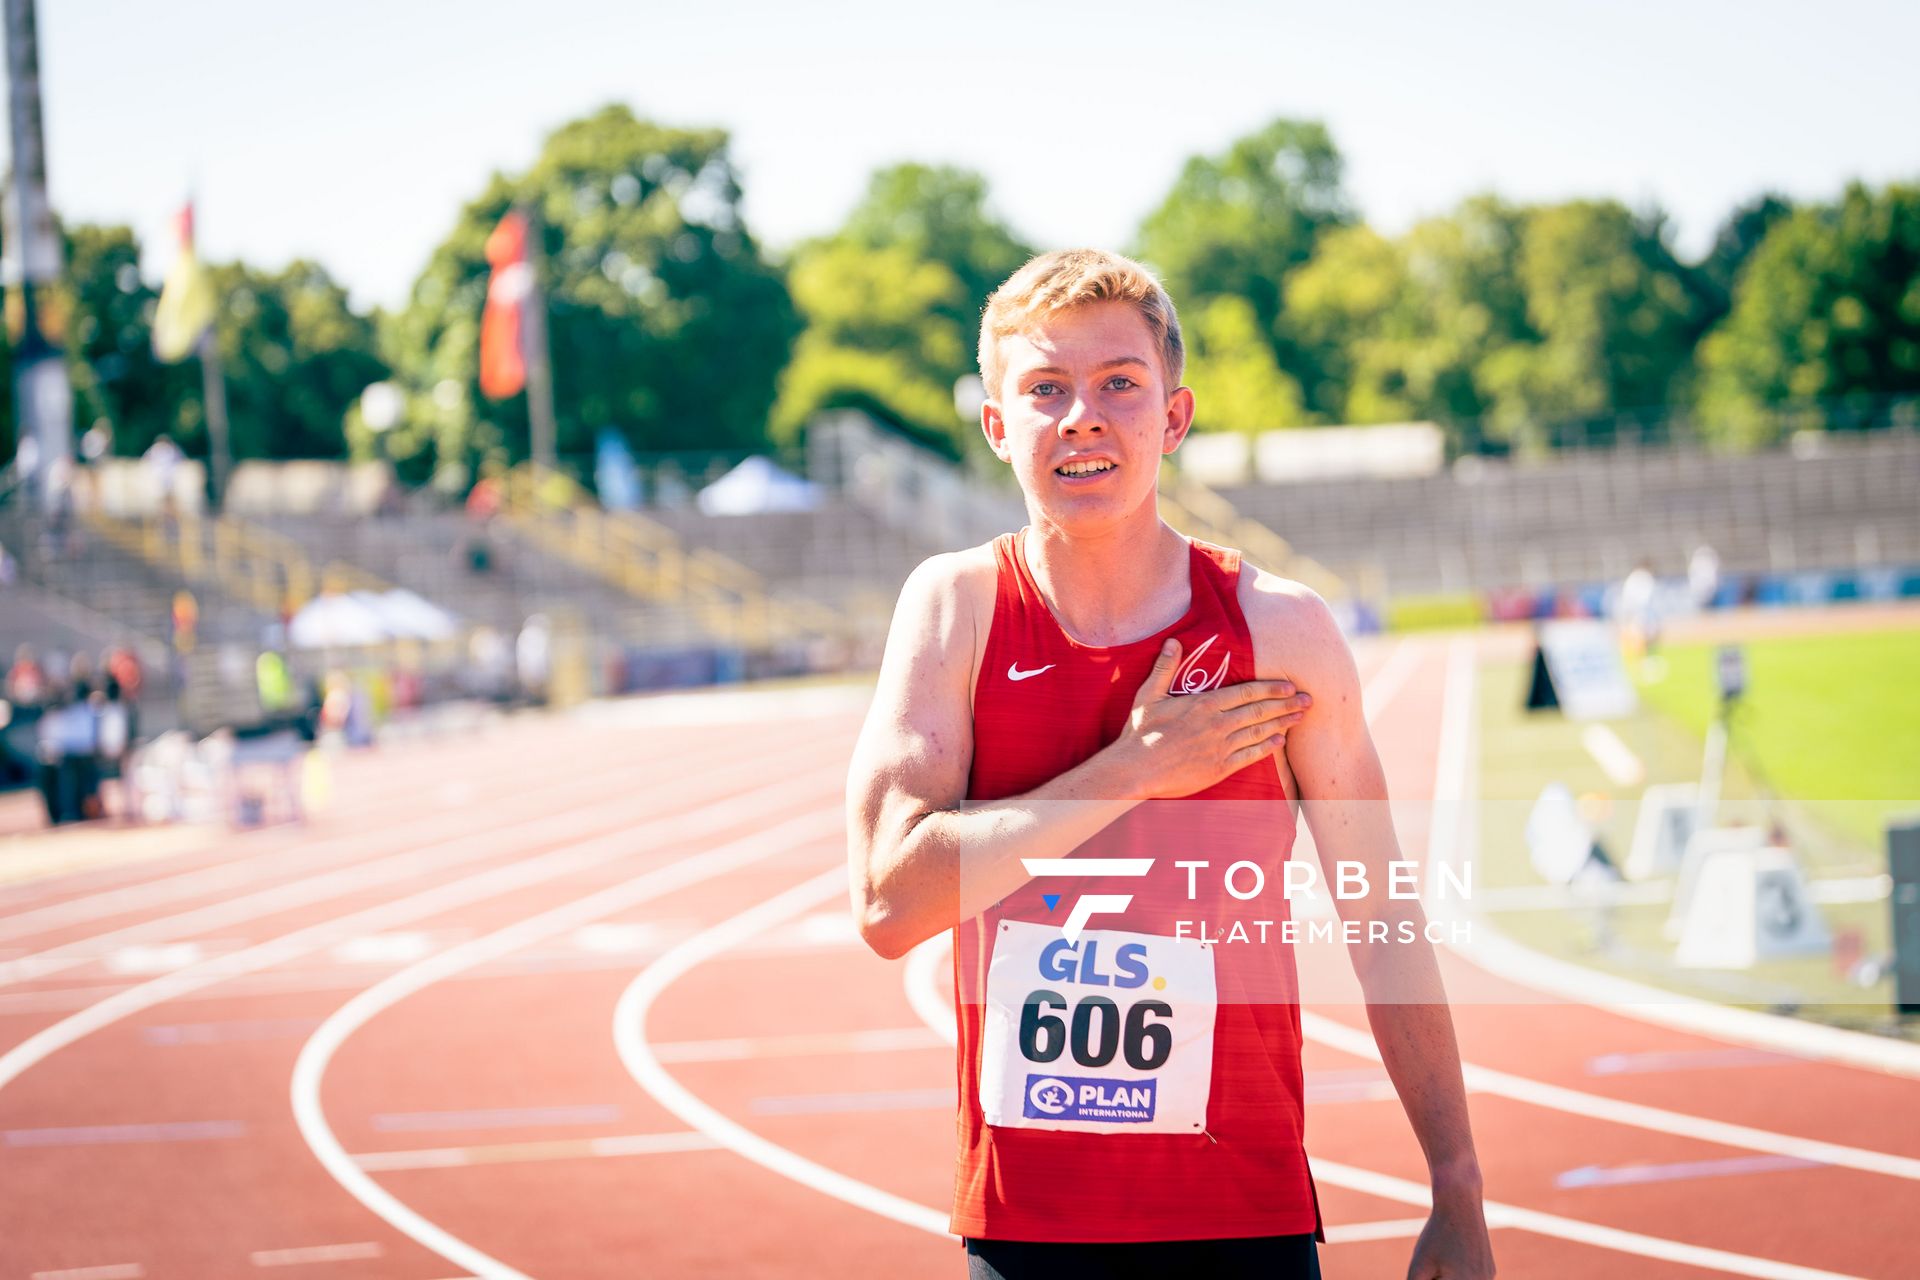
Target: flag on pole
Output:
[(503, 326), (187, 302)]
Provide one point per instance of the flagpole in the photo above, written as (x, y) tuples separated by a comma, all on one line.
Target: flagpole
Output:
[(540, 417), (213, 394)]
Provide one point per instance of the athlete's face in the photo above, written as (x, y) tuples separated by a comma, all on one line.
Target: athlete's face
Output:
[(1083, 414)]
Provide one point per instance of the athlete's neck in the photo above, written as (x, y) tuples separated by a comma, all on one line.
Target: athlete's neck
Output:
[(1115, 586)]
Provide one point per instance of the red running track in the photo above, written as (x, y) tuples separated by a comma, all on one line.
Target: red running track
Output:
[(578, 996)]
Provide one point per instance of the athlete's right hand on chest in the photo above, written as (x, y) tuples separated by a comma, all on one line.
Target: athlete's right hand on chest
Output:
[(1183, 744)]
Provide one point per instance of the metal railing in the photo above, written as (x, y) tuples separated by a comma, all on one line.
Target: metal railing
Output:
[(266, 570), (652, 564)]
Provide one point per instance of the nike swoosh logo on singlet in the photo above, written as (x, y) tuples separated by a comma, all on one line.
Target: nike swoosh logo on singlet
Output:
[(1015, 673)]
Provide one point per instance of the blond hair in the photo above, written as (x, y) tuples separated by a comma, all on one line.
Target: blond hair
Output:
[(1054, 282)]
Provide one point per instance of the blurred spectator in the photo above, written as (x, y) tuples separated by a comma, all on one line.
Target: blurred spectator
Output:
[(118, 728), (162, 459), (27, 684), (275, 685), (8, 568), (490, 665), (69, 743), (532, 657), (1703, 576), (485, 498), (123, 665), (1639, 619)]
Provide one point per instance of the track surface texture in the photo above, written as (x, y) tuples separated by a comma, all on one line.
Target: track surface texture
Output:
[(577, 996)]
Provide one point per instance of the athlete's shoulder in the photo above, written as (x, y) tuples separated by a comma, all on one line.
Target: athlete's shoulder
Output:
[(1290, 620), (947, 602), (962, 580)]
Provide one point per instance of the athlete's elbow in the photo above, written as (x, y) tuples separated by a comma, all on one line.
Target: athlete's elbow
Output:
[(883, 931)]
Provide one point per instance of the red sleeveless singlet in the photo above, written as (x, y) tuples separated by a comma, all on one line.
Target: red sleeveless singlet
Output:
[(1101, 1099)]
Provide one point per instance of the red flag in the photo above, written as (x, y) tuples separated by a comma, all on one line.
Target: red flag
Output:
[(503, 358)]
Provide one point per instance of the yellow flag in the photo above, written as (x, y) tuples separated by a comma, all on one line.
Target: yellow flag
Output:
[(186, 300)]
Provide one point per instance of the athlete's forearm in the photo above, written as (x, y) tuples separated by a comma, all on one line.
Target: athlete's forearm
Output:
[(948, 865), (1407, 1009)]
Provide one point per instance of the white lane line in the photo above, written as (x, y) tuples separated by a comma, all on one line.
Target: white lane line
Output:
[(632, 1144), (316, 1253), (100, 1134), (1552, 1224), (1385, 684), (1450, 771), (360, 877), (110, 1271), (494, 1118), (630, 1037), (1615, 757), (692, 869), (807, 1044), (251, 866), (1387, 1229), (1352, 1040), (810, 1104), (722, 813)]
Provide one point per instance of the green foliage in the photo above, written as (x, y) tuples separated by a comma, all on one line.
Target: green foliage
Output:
[(939, 214), (296, 357), (1615, 311), (1496, 319), (294, 353), (1237, 383), (116, 379), (1742, 232), (1237, 223), (665, 322), (892, 304), (1828, 306)]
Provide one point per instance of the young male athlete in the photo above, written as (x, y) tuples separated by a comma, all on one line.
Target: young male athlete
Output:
[(1101, 689)]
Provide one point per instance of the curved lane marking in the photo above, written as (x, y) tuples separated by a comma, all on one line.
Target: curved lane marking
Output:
[(630, 1037), (318, 1052)]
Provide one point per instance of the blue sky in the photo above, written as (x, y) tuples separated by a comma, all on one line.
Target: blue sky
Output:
[(351, 131)]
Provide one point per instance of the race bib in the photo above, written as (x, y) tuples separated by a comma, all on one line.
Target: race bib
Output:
[(1113, 1034)]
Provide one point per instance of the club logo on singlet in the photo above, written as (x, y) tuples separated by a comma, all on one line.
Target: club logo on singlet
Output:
[(1191, 677)]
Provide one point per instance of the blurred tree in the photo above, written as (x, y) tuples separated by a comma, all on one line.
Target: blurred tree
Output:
[(116, 379), (939, 214), (295, 354), (1735, 242), (1353, 309), (1237, 384), (665, 322), (892, 304), (1401, 329), (296, 357), (1615, 311), (1828, 307), (1237, 224)]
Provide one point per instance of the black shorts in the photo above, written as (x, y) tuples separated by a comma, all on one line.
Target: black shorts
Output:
[(1264, 1257)]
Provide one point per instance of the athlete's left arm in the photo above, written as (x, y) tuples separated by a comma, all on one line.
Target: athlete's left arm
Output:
[(1343, 792)]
